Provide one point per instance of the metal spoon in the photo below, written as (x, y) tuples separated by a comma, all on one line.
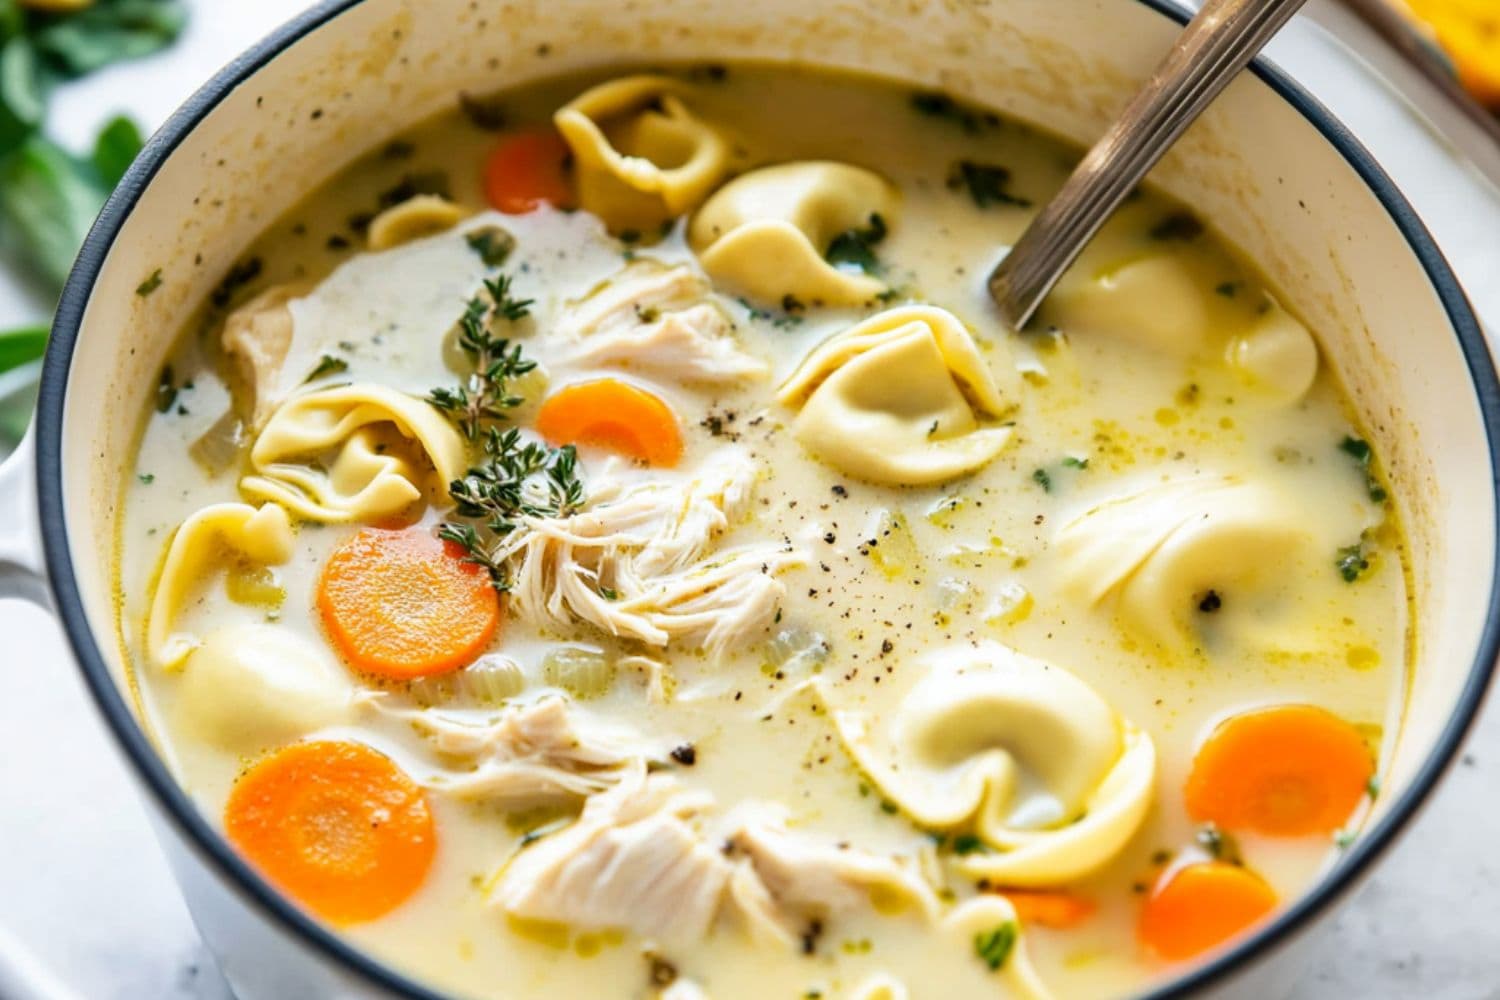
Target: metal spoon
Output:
[(1218, 43)]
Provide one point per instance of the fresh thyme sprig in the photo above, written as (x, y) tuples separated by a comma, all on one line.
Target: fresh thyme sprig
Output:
[(483, 398), (515, 478)]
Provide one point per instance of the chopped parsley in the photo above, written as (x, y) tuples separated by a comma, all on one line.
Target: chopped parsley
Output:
[(987, 184), (1360, 450), (166, 391), (485, 113), (433, 182), (856, 247), (967, 843), (238, 276), (1073, 462), (1178, 226), (994, 946), (1352, 561), (492, 244), (1372, 787), (327, 365), (1042, 479), (936, 104), (150, 285), (147, 478)]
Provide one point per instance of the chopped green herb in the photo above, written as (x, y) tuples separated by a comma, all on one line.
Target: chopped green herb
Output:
[(1042, 479), (967, 843), (492, 244), (146, 478), (327, 365), (856, 247), (486, 113), (994, 946), (936, 104), (1344, 839), (166, 391), (1073, 462), (1363, 455), (150, 285), (1352, 561), (409, 186), (1372, 787), (240, 275), (1178, 226), (483, 397), (987, 184), (888, 807), (609, 593)]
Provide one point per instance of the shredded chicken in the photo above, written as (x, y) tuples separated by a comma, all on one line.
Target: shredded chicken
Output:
[(537, 754), (257, 336), (658, 319), (637, 858), (648, 544), (631, 860)]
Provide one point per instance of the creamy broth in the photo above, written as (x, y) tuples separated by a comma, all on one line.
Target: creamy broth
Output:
[(1120, 387)]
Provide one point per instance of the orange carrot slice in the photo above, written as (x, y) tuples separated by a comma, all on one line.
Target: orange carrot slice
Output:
[(526, 170), (334, 825), (1054, 908), (615, 415), (1287, 771), (1200, 906), (403, 604)]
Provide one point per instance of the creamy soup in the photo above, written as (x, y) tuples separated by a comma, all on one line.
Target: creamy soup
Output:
[(605, 544)]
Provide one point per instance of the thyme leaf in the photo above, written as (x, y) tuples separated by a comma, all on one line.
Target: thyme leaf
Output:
[(994, 946), (482, 398)]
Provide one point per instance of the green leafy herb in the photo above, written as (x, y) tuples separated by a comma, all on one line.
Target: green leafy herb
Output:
[(967, 843), (483, 397), (994, 946), (936, 104), (21, 345), (1344, 839), (516, 479), (239, 275), (1178, 226), (1073, 462), (166, 390), (987, 184), (857, 246), (433, 182), (492, 244), (1363, 455), (327, 365), (150, 285), (486, 113), (107, 32), (1352, 561), (49, 200), (1372, 787), (1042, 479), (146, 478)]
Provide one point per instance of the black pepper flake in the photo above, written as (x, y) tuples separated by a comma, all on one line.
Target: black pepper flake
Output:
[(886, 646), (686, 755), (810, 937)]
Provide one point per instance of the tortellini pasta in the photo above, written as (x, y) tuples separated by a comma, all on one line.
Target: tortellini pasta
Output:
[(381, 443), (765, 233), (1277, 355), (1155, 301), (251, 686), (641, 156), (896, 399), (1158, 551), (1045, 772), (262, 535), (418, 216)]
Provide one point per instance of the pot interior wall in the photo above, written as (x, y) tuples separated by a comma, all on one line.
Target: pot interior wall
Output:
[(1254, 166)]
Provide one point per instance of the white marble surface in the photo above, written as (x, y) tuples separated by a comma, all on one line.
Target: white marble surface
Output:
[(83, 885)]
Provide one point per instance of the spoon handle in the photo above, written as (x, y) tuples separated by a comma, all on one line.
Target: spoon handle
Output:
[(1218, 43)]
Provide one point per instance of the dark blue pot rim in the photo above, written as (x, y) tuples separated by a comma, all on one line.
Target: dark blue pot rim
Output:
[(192, 826)]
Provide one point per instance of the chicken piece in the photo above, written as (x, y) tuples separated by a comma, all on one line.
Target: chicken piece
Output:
[(632, 860), (539, 754), (649, 545), (658, 319), (257, 337), (818, 880)]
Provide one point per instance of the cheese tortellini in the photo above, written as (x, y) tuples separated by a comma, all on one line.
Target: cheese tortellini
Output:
[(641, 156), (1154, 301), (765, 233), (1158, 551), (1045, 772), (353, 453), (248, 687), (1276, 355), (261, 535), (897, 399)]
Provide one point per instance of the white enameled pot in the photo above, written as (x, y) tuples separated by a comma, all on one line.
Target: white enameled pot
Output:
[(1268, 165)]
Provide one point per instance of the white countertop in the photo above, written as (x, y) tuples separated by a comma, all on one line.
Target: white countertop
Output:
[(83, 884)]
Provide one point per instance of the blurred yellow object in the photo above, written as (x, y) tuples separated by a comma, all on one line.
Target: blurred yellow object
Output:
[(1469, 31)]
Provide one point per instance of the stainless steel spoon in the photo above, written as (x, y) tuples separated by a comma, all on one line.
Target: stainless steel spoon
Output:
[(1218, 43)]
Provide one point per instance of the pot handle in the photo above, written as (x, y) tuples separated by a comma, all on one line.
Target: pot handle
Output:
[(22, 572)]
